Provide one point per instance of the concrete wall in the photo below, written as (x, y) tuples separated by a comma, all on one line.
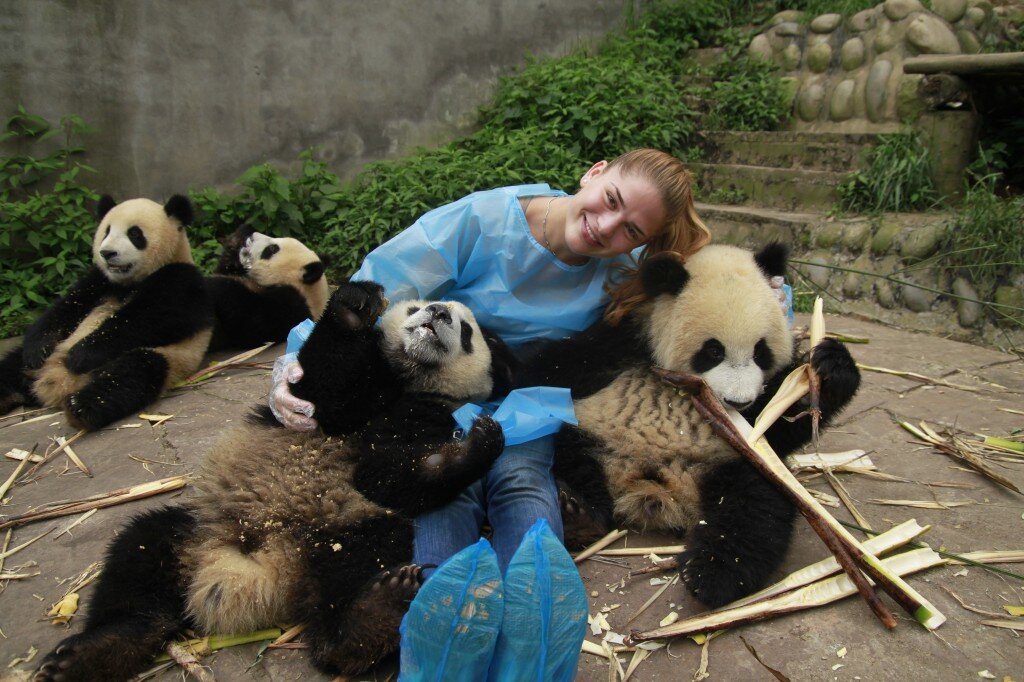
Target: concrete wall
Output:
[(189, 93)]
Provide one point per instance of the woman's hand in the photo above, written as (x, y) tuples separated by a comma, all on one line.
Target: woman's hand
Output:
[(294, 413), (776, 285)]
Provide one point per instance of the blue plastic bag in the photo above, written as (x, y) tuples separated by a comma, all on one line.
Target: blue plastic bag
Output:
[(525, 414), (545, 613), (298, 335)]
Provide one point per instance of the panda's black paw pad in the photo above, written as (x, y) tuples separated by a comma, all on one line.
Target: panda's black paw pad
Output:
[(403, 582), (64, 663), (569, 504), (711, 580), (357, 305), (486, 434)]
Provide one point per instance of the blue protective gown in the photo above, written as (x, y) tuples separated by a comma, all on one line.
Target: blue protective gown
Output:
[(479, 251)]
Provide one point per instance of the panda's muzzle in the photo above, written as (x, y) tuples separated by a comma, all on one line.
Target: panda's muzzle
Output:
[(109, 256)]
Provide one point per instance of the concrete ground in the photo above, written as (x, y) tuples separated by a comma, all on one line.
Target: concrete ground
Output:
[(802, 646)]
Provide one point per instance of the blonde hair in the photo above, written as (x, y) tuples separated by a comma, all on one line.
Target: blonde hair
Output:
[(683, 232)]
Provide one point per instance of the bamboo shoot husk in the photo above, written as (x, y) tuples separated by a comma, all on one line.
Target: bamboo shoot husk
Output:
[(810, 596)]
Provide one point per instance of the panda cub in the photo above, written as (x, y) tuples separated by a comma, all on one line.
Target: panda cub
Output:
[(136, 323), (317, 528), (643, 457), (262, 287)]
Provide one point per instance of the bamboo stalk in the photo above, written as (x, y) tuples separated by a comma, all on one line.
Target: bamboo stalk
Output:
[(653, 597), (10, 552), (14, 477), (643, 551), (926, 434), (731, 426), (49, 456), (810, 596), (114, 497), (599, 545), (204, 645), (73, 456), (208, 372)]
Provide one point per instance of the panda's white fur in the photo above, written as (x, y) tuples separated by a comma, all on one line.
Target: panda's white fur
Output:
[(270, 261)]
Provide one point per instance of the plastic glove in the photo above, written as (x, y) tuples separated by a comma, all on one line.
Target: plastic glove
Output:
[(783, 294), (294, 413)]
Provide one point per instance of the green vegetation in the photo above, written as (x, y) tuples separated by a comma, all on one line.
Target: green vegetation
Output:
[(896, 179)]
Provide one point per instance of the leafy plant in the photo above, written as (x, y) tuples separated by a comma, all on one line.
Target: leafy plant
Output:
[(46, 226), (746, 94), (896, 179)]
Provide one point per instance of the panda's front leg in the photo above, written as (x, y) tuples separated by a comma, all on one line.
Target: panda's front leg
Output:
[(840, 380), (586, 504), (743, 537), (124, 385), (15, 388)]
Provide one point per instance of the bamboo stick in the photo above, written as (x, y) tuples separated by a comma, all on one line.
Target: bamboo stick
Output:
[(599, 545)]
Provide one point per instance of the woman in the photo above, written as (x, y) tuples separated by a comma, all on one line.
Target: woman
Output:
[(531, 263)]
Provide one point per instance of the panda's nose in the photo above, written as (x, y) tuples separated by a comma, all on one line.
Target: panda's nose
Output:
[(439, 311), (108, 254)]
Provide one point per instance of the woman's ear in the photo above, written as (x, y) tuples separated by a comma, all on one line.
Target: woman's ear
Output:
[(594, 171)]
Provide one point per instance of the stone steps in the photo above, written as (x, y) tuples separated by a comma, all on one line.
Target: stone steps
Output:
[(752, 227), (786, 188), (787, 149)]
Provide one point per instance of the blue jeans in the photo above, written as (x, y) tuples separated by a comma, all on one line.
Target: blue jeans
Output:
[(518, 490)]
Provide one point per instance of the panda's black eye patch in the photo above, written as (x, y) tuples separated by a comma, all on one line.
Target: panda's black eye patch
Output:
[(137, 238), (269, 252), (710, 355), (763, 356), (467, 337), (412, 310), (108, 232)]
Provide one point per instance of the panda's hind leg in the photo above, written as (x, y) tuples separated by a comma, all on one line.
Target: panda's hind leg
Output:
[(360, 591), (120, 387), (744, 537), (583, 495), (138, 604), (15, 388)]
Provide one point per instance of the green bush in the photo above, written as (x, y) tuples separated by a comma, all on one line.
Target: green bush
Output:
[(896, 178), (746, 94), (46, 226)]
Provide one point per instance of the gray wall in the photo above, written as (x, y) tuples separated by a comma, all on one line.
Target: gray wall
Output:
[(189, 93)]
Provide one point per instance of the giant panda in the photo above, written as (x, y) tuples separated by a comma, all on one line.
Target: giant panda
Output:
[(262, 287), (137, 322), (290, 527), (643, 457)]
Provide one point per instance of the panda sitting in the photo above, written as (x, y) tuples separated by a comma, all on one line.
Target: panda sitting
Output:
[(135, 324), (262, 287), (643, 457), (291, 527)]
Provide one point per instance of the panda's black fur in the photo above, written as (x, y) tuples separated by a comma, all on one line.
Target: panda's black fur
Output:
[(134, 324), (642, 456), (291, 527), (262, 287)]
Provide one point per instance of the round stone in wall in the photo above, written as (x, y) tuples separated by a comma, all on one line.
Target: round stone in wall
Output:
[(975, 16), (809, 101), (950, 10), (827, 23), (969, 42), (790, 57), (818, 57), (900, 9), (885, 37), (918, 300), (788, 28), (841, 106), (877, 90), (862, 21), (968, 312), (851, 55), (930, 35), (785, 16), (760, 47)]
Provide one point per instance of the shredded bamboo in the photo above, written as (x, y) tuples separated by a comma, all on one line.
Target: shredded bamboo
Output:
[(599, 545)]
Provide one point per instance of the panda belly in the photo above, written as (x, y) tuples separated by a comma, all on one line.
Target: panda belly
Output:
[(54, 381), (267, 497), (654, 449)]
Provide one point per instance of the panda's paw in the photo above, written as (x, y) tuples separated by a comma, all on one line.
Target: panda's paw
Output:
[(357, 305), (582, 527), (712, 579), (80, 657), (403, 582), (81, 413), (840, 377), (486, 440)]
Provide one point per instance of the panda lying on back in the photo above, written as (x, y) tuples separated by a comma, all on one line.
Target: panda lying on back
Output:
[(291, 527), (135, 324), (643, 457), (262, 287)]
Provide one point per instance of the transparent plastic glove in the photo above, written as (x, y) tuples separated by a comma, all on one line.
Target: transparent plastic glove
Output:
[(784, 293), (294, 413)]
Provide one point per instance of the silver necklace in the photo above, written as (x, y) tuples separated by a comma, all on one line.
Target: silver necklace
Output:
[(544, 224)]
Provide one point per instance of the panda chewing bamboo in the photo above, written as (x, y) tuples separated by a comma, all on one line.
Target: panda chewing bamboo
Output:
[(290, 527), (642, 457)]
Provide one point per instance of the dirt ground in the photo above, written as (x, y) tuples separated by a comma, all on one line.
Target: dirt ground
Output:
[(842, 641)]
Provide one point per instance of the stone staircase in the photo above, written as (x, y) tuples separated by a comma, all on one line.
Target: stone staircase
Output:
[(783, 170)]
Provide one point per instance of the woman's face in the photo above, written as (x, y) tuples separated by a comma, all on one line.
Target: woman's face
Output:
[(612, 213)]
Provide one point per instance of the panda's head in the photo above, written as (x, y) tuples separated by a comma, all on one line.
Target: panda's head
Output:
[(271, 261), (717, 317), (439, 347), (138, 237)]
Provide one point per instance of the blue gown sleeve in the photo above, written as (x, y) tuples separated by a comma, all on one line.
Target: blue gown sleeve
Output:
[(425, 260)]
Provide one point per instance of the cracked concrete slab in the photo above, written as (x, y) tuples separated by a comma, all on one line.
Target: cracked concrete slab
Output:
[(803, 646)]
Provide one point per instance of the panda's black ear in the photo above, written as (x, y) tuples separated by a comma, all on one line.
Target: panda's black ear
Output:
[(504, 365), (772, 259), (663, 274), (179, 208), (325, 259), (312, 272), (103, 208)]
